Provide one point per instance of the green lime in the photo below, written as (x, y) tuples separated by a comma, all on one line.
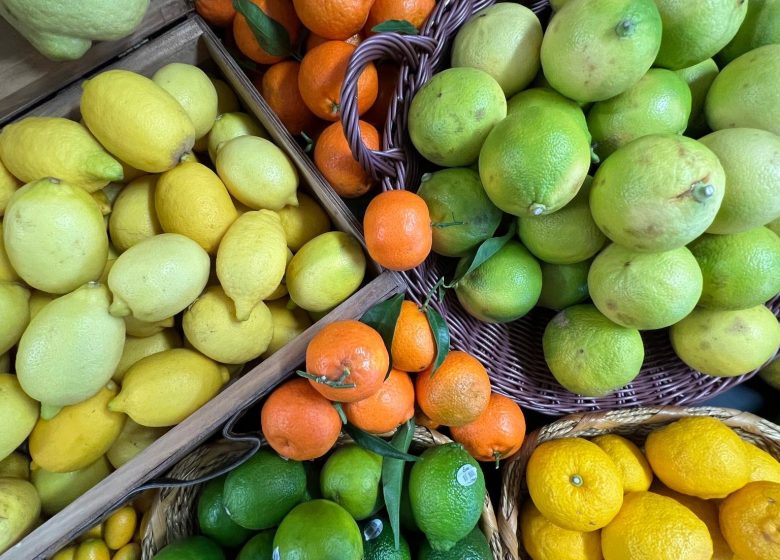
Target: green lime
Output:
[(318, 530), (594, 51), (451, 115), (771, 374), (350, 477), (473, 547), (503, 288), (657, 193), (259, 547), (259, 493), (461, 212), (751, 160), (590, 355), (699, 78), (546, 97), (447, 490), (213, 518), (726, 342), (659, 103), (567, 236), (740, 270), (644, 290), (190, 548), (379, 542), (535, 162), (761, 27), (564, 284)]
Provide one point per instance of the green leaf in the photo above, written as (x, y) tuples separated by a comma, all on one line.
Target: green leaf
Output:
[(377, 444), (270, 34), (487, 249), (383, 317), (395, 26), (441, 335), (393, 476)]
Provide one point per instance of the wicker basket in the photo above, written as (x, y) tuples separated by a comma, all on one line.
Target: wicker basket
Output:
[(635, 424), (512, 352)]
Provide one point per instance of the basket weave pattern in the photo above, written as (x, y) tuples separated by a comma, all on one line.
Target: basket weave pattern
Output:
[(511, 352)]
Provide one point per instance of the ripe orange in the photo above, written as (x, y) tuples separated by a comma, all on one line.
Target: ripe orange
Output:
[(279, 87), (280, 11), (414, 347), (413, 11), (322, 72), (334, 159), (347, 353), (498, 432), (388, 79), (314, 40), (219, 13), (398, 230), (298, 422), (333, 19), (422, 420), (386, 409), (457, 393)]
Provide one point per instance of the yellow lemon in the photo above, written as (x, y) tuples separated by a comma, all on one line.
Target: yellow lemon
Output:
[(762, 465), (93, 549), (227, 102), (130, 551), (133, 439), (231, 125), (635, 471), (39, 300), (191, 87), (20, 506), (57, 490), (103, 204), (14, 302), (543, 540), (8, 186), (68, 553), (18, 415), (287, 324), (750, 521), (16, 465), (281, 289), (5, 362), (94, 532), (303, 222), (143, 329), (139, 347), (7, 272), (134, 217), (120, 527), (113, 255)]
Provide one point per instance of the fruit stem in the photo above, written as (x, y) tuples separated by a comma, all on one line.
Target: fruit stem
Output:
[(536, 209), (497, 457), (576, 480), (702, 191), (434, 289), (335, 108), (325, 380), (625, 28), (340, 410)]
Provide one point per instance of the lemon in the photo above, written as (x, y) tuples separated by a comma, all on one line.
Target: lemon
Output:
[(760, 27), (139, 347), (251, 260), (232, 125), (227, 102), (18, 414), (563, 285), (546, 97), (281, 289), (762, 465), (57, 490), (133, 439), (158, 277), (15, 465), (14, 301), (79, 435), (635, 472), (93, 549), (258, 173), (143, 329), (303, 222), (7, 272), (326, 271), (164, 388), (5, 362), (287, 324), (55, 236), (120, 527), (68, 553), (8, 186), (191, 87), (130, 551), (211, 327), (191, 200), (749, 518), (134, 217), (699, 78), (21, 507), (38, 147), (136, 120), (544, 540), (102, 202), (71, 348)]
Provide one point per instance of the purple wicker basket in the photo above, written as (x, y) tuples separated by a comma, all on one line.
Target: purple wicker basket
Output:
[(511, 352)]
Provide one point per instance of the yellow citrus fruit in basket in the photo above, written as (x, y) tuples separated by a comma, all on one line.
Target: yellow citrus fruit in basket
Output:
[(762, 465), (14, 299), (8, 186), (7, 272), (287, 324), (195, 92), (303, 222), (574, 484), (92, 549), (133, 439), (39, 300), (139, 347), (143, 329), (133, 217), (119, 528), (57, 490), (544, 540), (699, 456), (15, 465), (18, 414), (232, 125), (750, 521), (635, 472)]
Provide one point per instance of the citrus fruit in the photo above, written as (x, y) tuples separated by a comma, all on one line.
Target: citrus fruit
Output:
[(593, 53), (751, 160), (133, 439), (219, 13), (473, 546), (503, 288), (651, 526), (259, 547), (659, 103), (321, 530), (92, 549), (192, 88), (133, 216), (142, 329), (496, 434), (490, 39), (771, 373), (544, 540), (415, 12), (563, 284), (567, 236), (379, 542), (414, 347), (7, 272), (726, 342), (740, 270), (199, 547), (760, 27), (699, 78), (635, 472), (139, 347), (350, 477), (279, 87), (8, 185), (57, 490), (657, 193), (232, 125), (762, 465), (131, 551), (460, 211), (574, 484), (304, 222), (385, 410), (16, 464), (456, 393), (446, 491), (287, 324), (546, 97), (333, 157), (319, 16), (676, 453), (388, 73), (398, 230), (213, 518), (283, 13), (19, 414), (774, 225), (645, 290), (749, 519), (298, 422), (14, 299), (451, 115)]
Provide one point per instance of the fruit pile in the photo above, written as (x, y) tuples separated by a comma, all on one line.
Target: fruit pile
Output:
[(697, 492)]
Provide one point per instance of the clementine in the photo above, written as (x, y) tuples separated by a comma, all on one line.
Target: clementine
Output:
[(280, 11), (388, 408), (388, 73), (414, 347), (333, 157), (413, 11), (333, 19), (279, 87), (219, 13), (496, 434), (314, 40)]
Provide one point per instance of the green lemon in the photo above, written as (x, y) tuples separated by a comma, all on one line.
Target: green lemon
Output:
[(760, 27), (213, 518), (564, 284), (740, 270), (287, 323), (473, 547), (231, 125), (14, 301), (771, 374), (379, 542), (350, 477), (590, 355), (699, 78), (259, 547), (195, 92), (21, 508), (15, 465), (190, 548), (546, 97), (57, 490), (133, 217), (461, 212), (318, 530), (18, 414)]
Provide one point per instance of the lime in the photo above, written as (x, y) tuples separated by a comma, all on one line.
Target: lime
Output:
[(259, 547), (461, 212), (564, 284), (657, 193), (318, 530), (771, 374), (590, 355), (451, 115), (567, 236), (503, 288), (379, 543), (546, 97), (473, 547), (350, 477), (189, 548), (534, 163), (726, 342), (659, 103), (213, 518), (751, 160), (645, 290), (259, 493), (592, 52), (761, 27), (740, 270), (699, 78), (446, 490)]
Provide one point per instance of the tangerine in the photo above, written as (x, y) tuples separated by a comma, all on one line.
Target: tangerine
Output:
[(388, 408), (496, 434), (279, 87), (415, 12), (398, 230), (333, 157), (414, 347), (219, 13), (314, 40), (333, 19), (280, 11)]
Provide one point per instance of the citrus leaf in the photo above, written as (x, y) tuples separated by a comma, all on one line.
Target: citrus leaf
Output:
[(382, 317), (270, 34), (487, 249), (395, 26), (392, 478), (376, 444), (441, 335)]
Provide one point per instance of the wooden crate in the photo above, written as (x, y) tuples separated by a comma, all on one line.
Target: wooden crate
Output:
[(192, 42)]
